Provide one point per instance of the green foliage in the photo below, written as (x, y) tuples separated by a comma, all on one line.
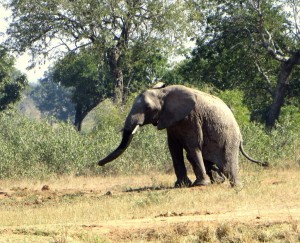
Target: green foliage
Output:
[(85, 76), (277, 146), (243, 45), (110, 27), (234, 99), (52, 99), (87, 82), (38, 149), (143, 66), (102, 23), (12, 82)]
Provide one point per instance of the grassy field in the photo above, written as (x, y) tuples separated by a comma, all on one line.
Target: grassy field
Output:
[(148, 208)]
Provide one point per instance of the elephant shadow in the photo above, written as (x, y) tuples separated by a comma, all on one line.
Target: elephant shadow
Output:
[(212, 170)]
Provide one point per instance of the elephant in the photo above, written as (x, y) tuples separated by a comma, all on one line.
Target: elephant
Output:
[(197, 122)]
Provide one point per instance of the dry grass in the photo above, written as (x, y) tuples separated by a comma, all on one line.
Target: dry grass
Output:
[(147, 208)]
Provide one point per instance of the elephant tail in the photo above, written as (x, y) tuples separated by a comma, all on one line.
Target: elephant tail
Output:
[(264, 164)]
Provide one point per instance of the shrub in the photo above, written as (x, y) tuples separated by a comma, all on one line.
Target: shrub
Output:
[(277, 146), (35, 148), (38, 149)]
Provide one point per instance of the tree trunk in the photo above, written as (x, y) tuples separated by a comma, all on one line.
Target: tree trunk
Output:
[(116, 73), (280, 92), (78, 117), (114, 58)]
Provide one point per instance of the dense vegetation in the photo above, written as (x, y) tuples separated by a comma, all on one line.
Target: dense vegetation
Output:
[(12, 82), (42, 148), (247, 53)]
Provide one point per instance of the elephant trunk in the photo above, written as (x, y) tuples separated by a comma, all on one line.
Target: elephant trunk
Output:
[(126, 139)]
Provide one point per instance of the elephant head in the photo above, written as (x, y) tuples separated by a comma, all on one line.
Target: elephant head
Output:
[(161, 107)]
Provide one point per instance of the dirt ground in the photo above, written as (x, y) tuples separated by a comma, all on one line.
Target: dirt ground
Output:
[(166, 225), (118, 230)]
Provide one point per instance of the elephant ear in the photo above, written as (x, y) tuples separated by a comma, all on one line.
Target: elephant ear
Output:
[(178, 103)]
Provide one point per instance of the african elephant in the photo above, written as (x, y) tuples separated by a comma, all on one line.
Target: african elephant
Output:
[(200, 123)]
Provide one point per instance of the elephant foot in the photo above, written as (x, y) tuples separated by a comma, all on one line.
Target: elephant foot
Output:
[(236, 184), (216, 177), (202, 182), (214, 173), (184, 182)]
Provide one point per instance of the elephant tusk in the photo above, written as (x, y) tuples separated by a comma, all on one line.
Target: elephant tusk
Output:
[(135, 129)]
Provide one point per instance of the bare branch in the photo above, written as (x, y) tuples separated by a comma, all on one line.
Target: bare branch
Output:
[(59, 45), (263, 73), (81, 45), (269, 44), (296, 18)]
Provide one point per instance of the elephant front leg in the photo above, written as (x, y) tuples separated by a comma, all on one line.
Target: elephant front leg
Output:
[(196, 159), (176, 151)]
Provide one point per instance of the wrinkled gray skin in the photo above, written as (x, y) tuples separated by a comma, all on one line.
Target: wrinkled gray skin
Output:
[(197, 122)]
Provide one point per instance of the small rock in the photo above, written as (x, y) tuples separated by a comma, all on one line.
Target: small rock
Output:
[(45, 188), (38, 201), (5, 194)]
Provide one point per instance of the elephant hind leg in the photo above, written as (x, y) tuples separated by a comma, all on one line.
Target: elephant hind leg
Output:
[(230, 168), (214, 172)]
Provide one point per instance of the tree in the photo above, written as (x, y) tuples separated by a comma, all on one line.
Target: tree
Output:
[(283, 45), (12, 82), (85, 76), (143, 66), (111, 26), (252, 45), (52, 99)]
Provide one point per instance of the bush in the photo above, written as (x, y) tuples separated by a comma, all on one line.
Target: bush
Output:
[(277, 146), (38, 149)]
